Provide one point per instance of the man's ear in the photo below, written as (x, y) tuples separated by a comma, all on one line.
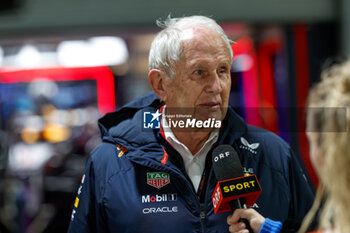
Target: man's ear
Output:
[(157, 81)]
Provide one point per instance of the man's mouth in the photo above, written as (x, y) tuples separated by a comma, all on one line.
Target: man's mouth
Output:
[(210, 105)]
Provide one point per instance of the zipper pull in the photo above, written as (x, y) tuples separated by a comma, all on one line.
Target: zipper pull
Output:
[(202, 214)]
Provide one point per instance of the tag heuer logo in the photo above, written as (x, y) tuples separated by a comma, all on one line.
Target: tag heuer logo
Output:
[(158, 179)]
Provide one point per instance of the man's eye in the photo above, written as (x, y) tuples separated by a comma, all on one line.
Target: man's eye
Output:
[(198, 72), (222, 71)]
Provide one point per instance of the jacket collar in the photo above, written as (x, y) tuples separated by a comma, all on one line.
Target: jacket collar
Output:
[(125, 125)]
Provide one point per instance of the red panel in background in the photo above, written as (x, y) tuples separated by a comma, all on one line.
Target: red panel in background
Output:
[(103, 76), (302, 83), (259, 89), (259, 84), (250, 81), (267, 50)]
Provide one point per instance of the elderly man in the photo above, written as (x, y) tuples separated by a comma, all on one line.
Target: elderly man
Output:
[(161, 179)]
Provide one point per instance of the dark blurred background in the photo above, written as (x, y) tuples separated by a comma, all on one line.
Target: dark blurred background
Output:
[(63, 64)]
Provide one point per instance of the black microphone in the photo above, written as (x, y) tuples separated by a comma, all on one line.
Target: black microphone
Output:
[(234, 190)]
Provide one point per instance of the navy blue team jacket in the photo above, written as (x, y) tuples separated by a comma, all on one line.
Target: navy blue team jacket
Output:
[(135, 181)]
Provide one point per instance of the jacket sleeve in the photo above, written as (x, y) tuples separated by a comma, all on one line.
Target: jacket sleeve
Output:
[(287, 226), (87, 214), (302, 193), (270, 226)]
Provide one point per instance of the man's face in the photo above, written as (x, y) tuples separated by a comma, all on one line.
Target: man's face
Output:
[(202, 76)]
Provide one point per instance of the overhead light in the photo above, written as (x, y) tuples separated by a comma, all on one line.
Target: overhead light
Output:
[(28, 56), (96, 51), (109, 50), (1, 55), (73, 53)]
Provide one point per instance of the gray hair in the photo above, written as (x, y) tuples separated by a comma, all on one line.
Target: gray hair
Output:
[(165, 50)]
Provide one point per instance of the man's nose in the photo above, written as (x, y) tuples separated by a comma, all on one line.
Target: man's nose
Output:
[(214, 84)]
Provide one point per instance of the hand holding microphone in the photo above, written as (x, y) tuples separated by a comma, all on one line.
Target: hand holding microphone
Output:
[(255, 220), (234, 190)]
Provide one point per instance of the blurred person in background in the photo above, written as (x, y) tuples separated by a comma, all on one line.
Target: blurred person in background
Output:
[(328, 127), (161, 179)]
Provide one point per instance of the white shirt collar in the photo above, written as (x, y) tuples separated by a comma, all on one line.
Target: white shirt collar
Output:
[(194, 164)]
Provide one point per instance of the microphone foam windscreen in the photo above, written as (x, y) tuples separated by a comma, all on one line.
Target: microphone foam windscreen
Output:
[(226, 163)]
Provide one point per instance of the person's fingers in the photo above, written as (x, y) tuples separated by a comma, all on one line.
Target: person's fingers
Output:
[(234, 217), (243, 231), (254, 218), (238, 228), (231, 219), (245, 213)]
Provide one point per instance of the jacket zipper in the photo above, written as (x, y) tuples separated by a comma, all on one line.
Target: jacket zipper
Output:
[(203, 206)]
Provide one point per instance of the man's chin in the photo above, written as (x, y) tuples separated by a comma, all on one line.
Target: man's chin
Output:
[(203, 116)]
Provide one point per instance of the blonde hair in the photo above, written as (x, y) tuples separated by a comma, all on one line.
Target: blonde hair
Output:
[(331, 122)]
